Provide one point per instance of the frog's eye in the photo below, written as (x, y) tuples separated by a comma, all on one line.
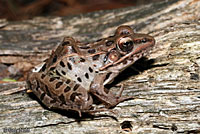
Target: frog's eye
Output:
[(125, 44)]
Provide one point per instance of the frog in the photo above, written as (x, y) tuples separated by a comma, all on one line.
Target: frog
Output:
[(76, 73)]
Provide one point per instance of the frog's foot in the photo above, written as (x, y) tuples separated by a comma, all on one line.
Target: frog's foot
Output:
[(117, 100), (110, 100)]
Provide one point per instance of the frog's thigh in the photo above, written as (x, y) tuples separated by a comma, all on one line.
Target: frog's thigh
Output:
[(76, 98), (53, 103), (41, 95)]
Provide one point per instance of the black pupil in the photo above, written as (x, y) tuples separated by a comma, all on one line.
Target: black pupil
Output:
[(127, 46)]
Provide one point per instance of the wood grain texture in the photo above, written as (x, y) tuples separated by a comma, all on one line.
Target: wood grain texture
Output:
[(167, 89)]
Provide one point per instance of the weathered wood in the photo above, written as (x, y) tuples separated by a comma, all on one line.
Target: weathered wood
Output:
[(167, 89)]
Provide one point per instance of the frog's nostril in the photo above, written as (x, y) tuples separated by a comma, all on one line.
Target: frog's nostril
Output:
[(144, 40)]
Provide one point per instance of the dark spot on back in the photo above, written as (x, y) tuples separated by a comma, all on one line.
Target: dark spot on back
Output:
[(109, 43), (69, 66), (84, 47), (52, 79), (91, 51), (65, 43), (86, 75), (82, 60), (54, 58), (63, 72), (111, 36), (67, 89), (62, 98), (98, 40), (95, 57), (50, 73), (59, 84), (57, 78), (47, 91), (90, 69), (42, 96), (58, 73), (76, 87), (52, 68), (43, 67), (62, 64), (73, 95), (79, 79), (68, 81), (42, 76), (74, 50)]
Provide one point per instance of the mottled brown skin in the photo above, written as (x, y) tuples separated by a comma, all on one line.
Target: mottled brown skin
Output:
[(75, 71)]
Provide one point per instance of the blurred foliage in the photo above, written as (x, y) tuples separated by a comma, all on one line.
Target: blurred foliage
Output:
[(25, 9), (8, 80)]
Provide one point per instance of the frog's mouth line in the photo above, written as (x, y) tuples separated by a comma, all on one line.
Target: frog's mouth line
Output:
[(138, 52), (141, 53)]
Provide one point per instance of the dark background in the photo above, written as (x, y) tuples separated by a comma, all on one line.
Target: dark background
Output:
[(26, 9)]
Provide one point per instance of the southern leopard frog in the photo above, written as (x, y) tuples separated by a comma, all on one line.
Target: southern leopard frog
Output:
[(76, 72)]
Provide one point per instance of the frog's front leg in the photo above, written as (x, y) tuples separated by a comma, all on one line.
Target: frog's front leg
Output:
[(108, 98)]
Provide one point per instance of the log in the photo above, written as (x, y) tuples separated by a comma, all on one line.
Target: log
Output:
[(167, 86)]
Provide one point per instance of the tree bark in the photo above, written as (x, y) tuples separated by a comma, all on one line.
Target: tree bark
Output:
[(167, 88)]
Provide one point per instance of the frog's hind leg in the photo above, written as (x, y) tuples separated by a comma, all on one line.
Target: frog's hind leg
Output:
[(55, 95), (38, 89), (35, 86)]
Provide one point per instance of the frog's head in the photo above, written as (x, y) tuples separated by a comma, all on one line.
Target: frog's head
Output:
[(129, 47)]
